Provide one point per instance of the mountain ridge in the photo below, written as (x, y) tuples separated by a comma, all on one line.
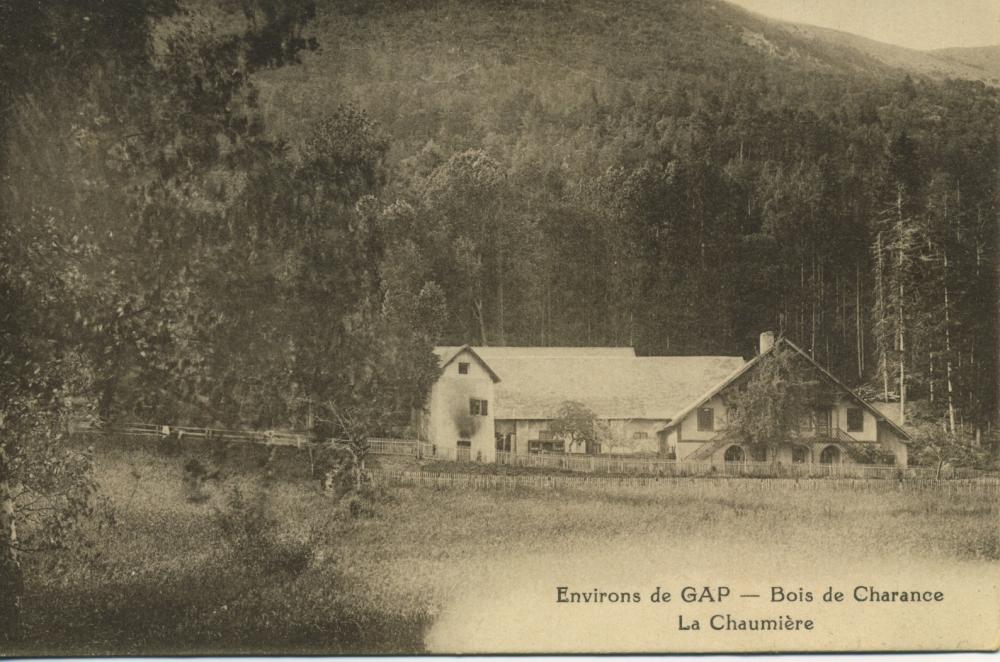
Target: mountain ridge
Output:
[(986, 58), (448, 75), (981, 63)]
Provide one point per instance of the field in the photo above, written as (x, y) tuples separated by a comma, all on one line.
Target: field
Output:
[(414, 569)]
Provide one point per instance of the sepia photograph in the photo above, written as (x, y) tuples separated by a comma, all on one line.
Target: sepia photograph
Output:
[(437, 327)]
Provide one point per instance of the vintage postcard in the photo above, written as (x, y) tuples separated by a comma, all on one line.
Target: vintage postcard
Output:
[(411, 327)]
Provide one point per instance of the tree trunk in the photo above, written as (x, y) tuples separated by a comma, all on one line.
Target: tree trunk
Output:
[(501, 333), (107, 397), (857, 322), (996, 373), (800, 312), (947, 349), (11, 574), (812, 309), (930, 375), (901, 321), (882, 342), (477, 309), (902, 357)]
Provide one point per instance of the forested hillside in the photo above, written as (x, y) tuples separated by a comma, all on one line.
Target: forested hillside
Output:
[(248, 214), (677, 176)]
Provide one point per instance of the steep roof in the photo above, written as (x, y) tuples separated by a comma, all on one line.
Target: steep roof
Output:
[(678, 416), (611, 381), (448, 354), (489, 353)]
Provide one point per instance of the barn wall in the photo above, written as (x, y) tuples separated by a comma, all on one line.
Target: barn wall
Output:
[(622, 435)]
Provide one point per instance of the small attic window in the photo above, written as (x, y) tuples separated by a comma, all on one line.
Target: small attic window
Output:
[(463, 368)]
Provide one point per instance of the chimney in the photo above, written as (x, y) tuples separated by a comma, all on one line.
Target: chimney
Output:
[(766, 341)]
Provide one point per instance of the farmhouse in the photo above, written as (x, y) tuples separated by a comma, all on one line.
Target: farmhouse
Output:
[(504, 399), (837, 426)]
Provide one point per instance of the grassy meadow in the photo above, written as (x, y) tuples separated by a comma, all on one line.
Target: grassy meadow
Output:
[(186, 569)]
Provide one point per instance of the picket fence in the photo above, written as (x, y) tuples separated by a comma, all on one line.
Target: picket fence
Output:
[(592, 482), (407, 447), (663, 467)]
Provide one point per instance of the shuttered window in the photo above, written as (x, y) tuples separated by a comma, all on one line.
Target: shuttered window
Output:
[(855, 420), (706, 419)]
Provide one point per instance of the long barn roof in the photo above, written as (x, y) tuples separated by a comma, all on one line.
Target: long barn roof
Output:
[(611, 381)]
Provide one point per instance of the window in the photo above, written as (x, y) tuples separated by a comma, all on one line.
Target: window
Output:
[(546, 447), (478, 407), (504, 441), (706, 419), (639, 434), (799, 454), (855, 420), (463, 368)]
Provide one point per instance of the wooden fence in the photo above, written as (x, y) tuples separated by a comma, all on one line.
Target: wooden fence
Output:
[(268, 437), (378, 445), (652, 466), (407, 447), (593, 482), (570, 462)]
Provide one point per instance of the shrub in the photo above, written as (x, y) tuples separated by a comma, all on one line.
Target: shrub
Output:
[(195, 476), (250, 531)]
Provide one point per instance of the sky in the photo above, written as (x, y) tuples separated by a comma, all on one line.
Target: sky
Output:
[(921, 24)]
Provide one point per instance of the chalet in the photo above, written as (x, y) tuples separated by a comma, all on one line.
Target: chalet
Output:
[(834, 428), (503, 399)]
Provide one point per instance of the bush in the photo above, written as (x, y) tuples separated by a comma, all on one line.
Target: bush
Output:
[(195, 476), (252, 537)]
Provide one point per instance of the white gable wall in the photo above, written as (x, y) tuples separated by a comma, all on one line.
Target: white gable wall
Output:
[(449, 419)]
